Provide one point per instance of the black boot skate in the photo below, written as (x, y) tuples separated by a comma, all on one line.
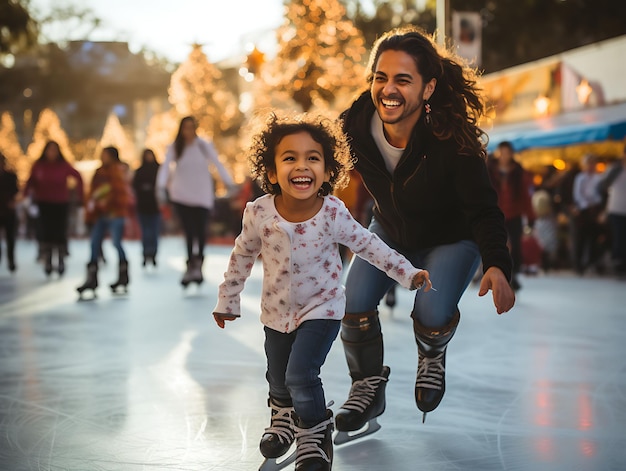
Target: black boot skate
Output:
[(279, 436), (122, 278), (46, 255), (430, 384), (314, 450), (194, 271), (61, 253), (92, 280), (365, 403)]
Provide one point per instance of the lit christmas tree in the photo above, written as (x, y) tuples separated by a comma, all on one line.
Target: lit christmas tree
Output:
[(161, 132), (320, 58), (198, 89), (114, 134), (48, 128), (10, 147)]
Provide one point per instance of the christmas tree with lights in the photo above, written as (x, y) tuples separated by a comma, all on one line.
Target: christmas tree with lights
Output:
[(198, 89), (10, 147), (320, 59), (114, 135), (48, 128)]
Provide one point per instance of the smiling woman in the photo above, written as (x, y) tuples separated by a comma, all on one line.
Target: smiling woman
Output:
[(223, 28)]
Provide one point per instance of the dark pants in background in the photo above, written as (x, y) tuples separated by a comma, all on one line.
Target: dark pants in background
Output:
[(150, 228), (193, 220), (8, 223)]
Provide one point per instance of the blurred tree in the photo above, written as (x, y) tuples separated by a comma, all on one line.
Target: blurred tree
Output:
[(514, 32), (18, 30), (374, 17), (10, 146), (198, 89), (115, 135), (320, 56), (48, 128)]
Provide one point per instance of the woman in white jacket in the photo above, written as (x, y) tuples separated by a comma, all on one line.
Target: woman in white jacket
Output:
[(186, 176)]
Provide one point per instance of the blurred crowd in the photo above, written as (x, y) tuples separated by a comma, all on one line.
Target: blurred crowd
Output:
[(557, 220)]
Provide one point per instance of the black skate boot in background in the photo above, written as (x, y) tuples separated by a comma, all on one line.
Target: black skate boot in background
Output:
[(314, 445), (279, 436), (46, 256), (194, 271), (363, 346), (430, 384), (122, 278), (92, 280), (61, 252)]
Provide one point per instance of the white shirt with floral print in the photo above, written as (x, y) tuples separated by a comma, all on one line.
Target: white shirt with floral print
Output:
[(302, 268)]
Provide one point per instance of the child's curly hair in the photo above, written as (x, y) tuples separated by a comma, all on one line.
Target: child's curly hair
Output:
[(338, 159)]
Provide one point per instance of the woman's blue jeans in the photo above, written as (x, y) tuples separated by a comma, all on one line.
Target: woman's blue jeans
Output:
[(451, 269), (150, 227), (294, 361), (116, 228)]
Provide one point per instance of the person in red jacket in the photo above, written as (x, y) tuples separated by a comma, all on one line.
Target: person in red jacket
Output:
[(513, 185), (49, 188)]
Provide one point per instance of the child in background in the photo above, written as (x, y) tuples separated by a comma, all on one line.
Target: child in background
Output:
[(296, 228)]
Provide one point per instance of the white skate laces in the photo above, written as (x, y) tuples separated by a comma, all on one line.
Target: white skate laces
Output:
[(281, 424), (430, 371), (309, 441), (362, 393)]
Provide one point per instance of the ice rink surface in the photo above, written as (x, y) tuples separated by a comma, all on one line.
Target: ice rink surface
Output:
[(147, 381)]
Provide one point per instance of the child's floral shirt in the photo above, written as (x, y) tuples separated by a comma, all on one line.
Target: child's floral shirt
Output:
[(302, 268)]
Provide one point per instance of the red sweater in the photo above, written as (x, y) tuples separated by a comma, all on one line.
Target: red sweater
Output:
[(48, 182)]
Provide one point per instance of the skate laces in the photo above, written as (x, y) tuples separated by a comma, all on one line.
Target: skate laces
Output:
[(362, 393), (430, 371), (281, 424), (309, 441)]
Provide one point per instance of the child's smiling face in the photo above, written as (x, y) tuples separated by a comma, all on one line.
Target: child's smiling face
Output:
[(300, 168)]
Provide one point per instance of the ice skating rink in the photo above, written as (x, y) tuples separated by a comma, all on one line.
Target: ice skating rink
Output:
[(148, 382)]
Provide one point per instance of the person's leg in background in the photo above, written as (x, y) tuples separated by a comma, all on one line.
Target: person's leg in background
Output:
[(116, 226)]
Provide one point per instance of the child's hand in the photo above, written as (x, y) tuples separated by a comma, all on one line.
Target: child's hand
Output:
[(221, 318), (422, 281)]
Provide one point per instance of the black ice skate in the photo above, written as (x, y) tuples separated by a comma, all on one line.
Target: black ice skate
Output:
[(278, 437), (122, 279), (314, 450), (357, 417), (430, 383), (193, 274), (91, 283)]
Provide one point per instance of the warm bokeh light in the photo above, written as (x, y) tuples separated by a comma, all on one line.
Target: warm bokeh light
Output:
[(48, 128)]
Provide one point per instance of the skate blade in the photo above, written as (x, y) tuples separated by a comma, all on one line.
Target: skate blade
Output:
[(370, 427), (275, 464)]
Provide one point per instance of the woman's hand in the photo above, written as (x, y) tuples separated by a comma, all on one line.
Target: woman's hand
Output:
[(503, 294), (422, 281), (221, 318)]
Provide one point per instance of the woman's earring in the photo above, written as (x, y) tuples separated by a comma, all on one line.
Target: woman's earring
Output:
[(428, 110)]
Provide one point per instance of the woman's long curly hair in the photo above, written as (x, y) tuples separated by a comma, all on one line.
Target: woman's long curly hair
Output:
[(338, 160), (456, 104)]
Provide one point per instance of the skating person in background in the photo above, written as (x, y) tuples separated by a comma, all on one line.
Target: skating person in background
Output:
[(106, 209), (589, 206), (299, 161), (8, 214), (48, 187), (513, 185), (144, 185), (614, 184), (186, 177), (419, 152)]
